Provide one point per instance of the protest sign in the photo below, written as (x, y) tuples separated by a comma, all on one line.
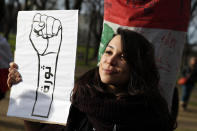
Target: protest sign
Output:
[(163, 22), (45, 53)]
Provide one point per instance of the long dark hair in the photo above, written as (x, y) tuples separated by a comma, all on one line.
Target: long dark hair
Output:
[(139, 54)]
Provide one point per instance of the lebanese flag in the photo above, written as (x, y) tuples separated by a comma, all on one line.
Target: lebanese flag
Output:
[(163, 22)]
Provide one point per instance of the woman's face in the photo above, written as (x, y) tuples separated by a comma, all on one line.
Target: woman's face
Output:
[(113, 68)]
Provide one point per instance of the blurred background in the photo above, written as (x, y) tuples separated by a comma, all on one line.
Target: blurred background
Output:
[(89, 34)]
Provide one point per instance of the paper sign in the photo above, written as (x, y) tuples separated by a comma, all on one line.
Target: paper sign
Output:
[(163, 22), (45, 53)]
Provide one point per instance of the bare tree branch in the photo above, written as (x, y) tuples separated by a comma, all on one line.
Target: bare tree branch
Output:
[(67, 4), (26, 5), (77, 4)]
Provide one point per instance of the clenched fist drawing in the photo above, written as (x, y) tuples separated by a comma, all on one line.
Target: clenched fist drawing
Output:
[(46, 39), (46, 31)]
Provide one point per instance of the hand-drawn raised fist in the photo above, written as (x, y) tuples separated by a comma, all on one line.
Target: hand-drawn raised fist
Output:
[(45, 32), (46, 39)]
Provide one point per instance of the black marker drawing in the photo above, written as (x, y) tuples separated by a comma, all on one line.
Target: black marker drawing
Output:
[(46, 39)]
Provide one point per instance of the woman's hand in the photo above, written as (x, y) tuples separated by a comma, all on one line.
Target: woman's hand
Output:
[(14, 76)]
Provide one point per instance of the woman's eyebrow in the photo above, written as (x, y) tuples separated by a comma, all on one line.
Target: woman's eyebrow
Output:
[(110, 46)]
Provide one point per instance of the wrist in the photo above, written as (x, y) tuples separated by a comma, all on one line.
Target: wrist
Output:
[(46, 84)]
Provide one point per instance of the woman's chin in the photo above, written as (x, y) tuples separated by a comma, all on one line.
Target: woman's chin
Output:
[(106, 81)]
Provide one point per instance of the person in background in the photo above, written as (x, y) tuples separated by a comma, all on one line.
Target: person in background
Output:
[(190, 73), (5, 59), (121, 94)]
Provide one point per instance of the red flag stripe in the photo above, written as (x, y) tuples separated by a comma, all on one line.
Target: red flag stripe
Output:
[(163, 14)]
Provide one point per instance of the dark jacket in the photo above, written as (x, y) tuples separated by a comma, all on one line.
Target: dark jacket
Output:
[(101, 111), (139, 119), (190, 74)]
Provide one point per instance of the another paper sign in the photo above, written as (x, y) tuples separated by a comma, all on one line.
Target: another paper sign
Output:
[(45, 53)]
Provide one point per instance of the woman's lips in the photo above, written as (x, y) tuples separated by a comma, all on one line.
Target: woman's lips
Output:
[(108, 71)]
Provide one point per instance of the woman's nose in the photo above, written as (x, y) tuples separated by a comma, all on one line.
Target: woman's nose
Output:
[(112, 60)]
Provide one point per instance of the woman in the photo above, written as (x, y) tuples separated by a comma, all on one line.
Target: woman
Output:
[(122, 93)]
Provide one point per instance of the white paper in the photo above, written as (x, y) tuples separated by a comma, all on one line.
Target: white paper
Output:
[(45, 53)]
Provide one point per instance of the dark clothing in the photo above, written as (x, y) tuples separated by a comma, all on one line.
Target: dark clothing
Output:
[(3, 82), (191, 75), (106, 113), (5, 59), (137, 117), (186, 92), (175, 105)]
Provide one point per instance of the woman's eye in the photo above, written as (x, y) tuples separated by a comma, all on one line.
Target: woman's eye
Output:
[(108, 52)]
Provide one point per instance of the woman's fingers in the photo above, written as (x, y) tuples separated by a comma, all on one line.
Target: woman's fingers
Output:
[(9, 83), (14, 76), (13, 65)]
